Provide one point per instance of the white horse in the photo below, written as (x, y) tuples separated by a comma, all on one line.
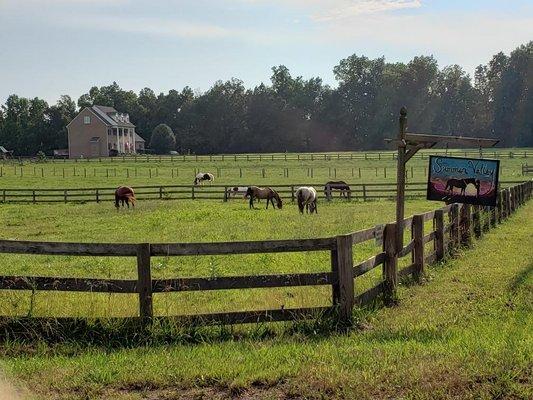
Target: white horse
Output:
[(203, 176), (307, 197)]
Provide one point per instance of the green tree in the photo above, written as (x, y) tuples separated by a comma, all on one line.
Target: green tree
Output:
[(162, 140)]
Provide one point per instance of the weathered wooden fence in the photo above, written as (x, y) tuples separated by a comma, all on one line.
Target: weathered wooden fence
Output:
[(359, 191), (453, 226)]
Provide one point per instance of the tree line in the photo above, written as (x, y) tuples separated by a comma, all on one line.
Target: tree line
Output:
[(297, 114)]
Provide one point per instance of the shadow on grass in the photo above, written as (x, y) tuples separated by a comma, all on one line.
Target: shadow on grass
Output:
[(520, 279), (25, 334)]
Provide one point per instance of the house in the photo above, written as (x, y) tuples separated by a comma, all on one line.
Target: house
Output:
[(100, 131), (139, 144)]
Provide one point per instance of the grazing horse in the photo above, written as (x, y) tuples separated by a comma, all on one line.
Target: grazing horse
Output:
[(124, 194), (342, 186), (462, 184), (306, 197), (203, 176), (269, 194)]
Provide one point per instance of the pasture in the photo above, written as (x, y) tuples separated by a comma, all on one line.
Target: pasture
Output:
[(163, 221), (271, 169), (465, 334)]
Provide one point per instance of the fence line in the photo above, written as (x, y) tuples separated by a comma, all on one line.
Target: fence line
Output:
[(358, 191), (371, 155), (463, 222)]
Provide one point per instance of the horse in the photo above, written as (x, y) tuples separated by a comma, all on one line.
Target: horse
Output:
[(342, 186), (203, 176), (306, 197), (124, 194), (269, 194), (462, 184), (237, 190)]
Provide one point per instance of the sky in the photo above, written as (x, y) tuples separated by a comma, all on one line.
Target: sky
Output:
[(54, 47)]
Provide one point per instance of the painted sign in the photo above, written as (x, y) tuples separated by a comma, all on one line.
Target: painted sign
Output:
[(463, 180)]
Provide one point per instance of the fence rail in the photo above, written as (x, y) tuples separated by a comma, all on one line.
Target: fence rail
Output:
[(462, 222), (370, 155), (358, 191)]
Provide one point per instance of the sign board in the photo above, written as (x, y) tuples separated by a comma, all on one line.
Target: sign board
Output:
[(463, 180)]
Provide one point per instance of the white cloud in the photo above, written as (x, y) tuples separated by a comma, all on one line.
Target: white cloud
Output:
[(347, 8), (327, 10)]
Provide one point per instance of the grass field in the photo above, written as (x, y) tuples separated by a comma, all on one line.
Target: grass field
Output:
[(163, 221), (113, 172), (465, 334)]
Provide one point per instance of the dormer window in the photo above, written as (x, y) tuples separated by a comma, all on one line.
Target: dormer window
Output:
[(87, 120)]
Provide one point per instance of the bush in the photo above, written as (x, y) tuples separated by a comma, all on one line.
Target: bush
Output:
[(163, 139)]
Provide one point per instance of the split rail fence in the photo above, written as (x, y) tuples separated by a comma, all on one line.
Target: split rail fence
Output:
[(374, 155), (453, 226), (358, 191)]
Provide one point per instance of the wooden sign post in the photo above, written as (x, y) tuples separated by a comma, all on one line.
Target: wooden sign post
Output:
[(408, 145)]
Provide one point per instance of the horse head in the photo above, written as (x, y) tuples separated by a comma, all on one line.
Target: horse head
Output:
[(249, 192), (278, 199)]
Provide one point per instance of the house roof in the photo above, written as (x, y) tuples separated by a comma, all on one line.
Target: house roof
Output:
[(138, 138), (105, 113)]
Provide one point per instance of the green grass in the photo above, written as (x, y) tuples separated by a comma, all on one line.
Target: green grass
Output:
[(187, 221), (112, 173), (464, 334)]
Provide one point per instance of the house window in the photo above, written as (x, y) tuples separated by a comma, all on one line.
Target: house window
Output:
[(86, 120)]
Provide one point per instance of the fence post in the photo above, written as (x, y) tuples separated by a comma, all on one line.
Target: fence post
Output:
[(477, 222), (160, 192), (466, 223), (417, 231), (192, 192), (225, 193), (507, 205), (292, 193), (487, 218), (144, 281), (439, 234), (390, 266), (342, 269), (364, 192), (65, 195)]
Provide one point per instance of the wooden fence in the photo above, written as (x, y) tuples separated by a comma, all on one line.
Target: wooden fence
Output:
[(359, 191), (373, 155), (453, 226), (527, 169)]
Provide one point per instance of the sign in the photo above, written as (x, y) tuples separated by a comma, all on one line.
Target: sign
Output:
[(463, 180)]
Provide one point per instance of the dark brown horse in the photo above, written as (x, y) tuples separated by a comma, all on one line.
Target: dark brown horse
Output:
[(124, 194), (462, 184), (342, 186), (270, 194)]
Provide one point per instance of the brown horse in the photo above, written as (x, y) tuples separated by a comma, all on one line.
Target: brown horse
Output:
[(342, 186), (270, 194), (124, 194)]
